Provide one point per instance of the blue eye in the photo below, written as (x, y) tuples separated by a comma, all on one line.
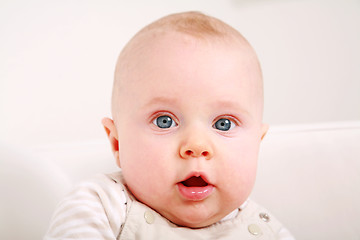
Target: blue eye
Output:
[(164, 122), (224, 124)]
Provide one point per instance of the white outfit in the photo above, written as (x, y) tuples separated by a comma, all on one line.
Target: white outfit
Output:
[(103, 208)]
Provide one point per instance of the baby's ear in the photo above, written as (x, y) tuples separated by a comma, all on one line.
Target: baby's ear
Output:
[(111, 132), (264, 129)]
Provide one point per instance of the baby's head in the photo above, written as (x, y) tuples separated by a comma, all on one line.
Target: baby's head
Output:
[(187, 107)]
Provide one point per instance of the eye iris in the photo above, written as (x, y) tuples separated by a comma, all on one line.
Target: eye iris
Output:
[(223, 124), (164, 122)]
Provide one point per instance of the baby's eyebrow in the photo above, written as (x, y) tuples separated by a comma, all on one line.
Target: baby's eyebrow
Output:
[(157, 100), (226, 104), (222, 104)]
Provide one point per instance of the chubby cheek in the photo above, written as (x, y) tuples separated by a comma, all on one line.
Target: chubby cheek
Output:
[(239, 170), (146, 165)]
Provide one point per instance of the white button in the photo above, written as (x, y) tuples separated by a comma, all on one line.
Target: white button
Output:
[(149, 217), (265, 217), (254, 229)]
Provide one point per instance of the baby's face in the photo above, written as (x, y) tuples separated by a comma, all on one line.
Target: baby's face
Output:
[(189, 127)]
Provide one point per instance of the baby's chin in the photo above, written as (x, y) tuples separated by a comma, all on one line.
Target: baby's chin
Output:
[(197, 224), (194, 222), (194, 218)]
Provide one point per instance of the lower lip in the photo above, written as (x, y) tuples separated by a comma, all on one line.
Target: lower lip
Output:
[(195, 193)]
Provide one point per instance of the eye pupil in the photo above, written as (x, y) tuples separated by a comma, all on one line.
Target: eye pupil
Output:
[(164, 122), (223, 124)]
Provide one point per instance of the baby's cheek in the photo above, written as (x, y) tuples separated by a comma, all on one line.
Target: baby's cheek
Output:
[(148, 156), (239, 167), (150, 167)]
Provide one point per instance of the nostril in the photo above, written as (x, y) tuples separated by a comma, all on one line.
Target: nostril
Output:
[(196, 154)]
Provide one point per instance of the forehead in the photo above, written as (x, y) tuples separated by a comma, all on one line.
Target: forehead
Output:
[(178, 65), (160, 39), (175, 56)]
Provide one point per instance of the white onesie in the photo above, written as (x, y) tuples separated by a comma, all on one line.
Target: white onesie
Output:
[(103, 208)]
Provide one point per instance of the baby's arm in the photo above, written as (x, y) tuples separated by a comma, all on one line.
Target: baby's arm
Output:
[(94, 210)]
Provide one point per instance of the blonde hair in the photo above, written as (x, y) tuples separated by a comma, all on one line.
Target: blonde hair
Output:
[(193, 23)]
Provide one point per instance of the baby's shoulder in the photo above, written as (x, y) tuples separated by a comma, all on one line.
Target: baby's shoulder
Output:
[(102, 187), (102, 182), (97, 206), (261, 221)]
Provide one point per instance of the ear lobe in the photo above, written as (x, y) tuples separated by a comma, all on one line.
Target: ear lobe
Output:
[(264, 129), (111, 132)]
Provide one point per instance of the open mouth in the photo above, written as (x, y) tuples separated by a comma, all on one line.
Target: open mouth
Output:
[(195, 182), (195, 188)]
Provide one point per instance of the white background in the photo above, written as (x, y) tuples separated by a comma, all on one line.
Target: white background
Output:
[(57, 60)]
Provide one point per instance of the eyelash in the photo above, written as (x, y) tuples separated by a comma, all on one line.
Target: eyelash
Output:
[(232, 119), (160, 114)]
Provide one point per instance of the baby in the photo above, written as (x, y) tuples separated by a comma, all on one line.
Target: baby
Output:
[(187, 124)]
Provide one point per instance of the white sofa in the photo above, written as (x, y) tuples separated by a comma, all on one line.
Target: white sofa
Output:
[(308, 176)]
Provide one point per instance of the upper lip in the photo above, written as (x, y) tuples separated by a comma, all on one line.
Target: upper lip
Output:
[(197, 174)]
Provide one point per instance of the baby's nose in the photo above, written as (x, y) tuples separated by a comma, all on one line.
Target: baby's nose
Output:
[(195, 148), (195, 153)]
